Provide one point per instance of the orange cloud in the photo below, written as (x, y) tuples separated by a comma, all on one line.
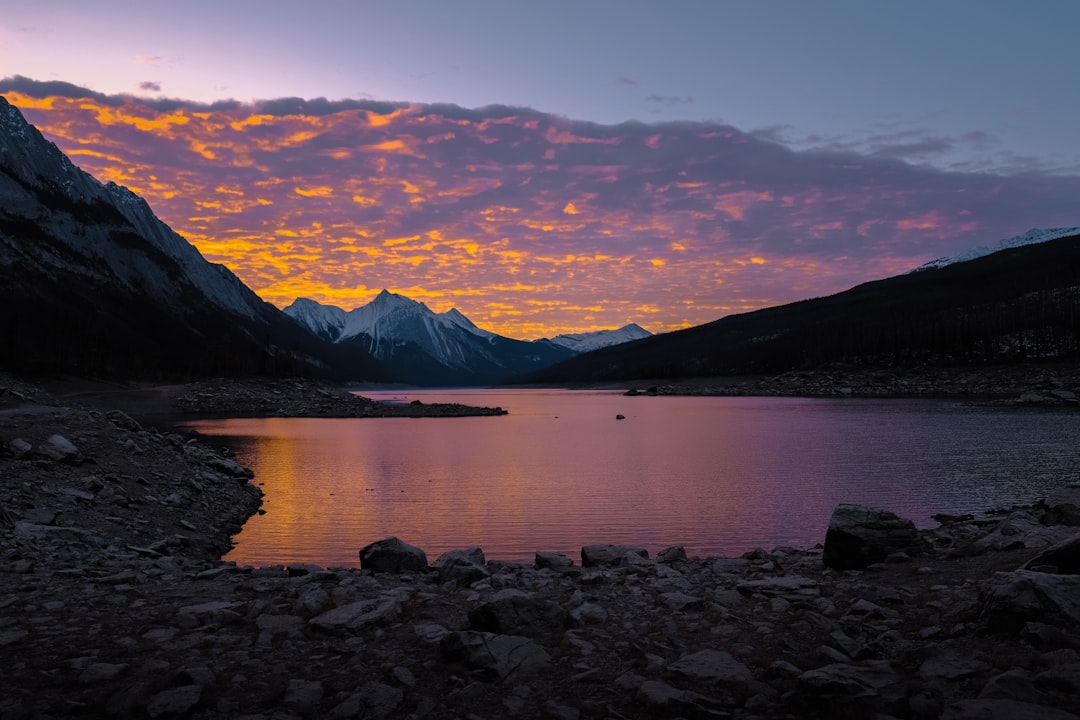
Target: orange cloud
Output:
[(531, 225)]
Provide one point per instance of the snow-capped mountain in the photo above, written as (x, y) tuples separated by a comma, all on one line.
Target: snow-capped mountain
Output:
[(425, 347), (1031, 237), (589, 341), (91, 281)]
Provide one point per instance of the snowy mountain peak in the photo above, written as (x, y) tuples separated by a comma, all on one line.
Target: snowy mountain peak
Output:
[(586, 342), (1031, 237), (425, 346), (326, 321)]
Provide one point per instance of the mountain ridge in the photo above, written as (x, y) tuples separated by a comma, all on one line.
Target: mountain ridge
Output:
[(92, 282), (401, 331), (1018, 304)]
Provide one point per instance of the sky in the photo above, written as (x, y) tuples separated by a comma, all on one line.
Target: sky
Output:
[(565, 166)]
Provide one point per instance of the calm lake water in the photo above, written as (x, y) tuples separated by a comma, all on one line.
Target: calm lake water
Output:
[(718, 475)]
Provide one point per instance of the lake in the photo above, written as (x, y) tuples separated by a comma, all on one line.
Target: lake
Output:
[(718, 475)]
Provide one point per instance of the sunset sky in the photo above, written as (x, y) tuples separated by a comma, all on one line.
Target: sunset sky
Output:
[(565, 166)]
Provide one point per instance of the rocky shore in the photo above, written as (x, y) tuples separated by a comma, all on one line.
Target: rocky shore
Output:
[(249, 397), (1022, 384), (114, 603)]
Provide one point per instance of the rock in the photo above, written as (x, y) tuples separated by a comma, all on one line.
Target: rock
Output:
[(463, 566), (1015, 684), (373, 700), (859, 536), (123, 420), (785, 586), (304, 696), (102, 672), (59, 448), (20, 448), (312, 601), (373, 611), (1020, 529), (675, 553), (230, 468), (674, 702), (1015, 598), (430, 633), (552, 561), (1001, 709), (610, 555), (175, 702), (844, 688), (589, 613), (1063, 678), (1063, 558), (500, 655), (677, 600), (512, 612), (714, 667), (393, 556)]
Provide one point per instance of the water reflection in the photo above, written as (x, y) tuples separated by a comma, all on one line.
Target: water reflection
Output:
[(720, 475)]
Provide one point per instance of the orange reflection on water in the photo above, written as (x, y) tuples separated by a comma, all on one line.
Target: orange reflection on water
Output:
[(718, 475)]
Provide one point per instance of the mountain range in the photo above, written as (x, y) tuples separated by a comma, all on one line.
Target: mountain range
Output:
[(428, 348), (93, 283)]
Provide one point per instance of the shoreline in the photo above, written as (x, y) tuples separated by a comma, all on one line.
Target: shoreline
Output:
[(115, 604)]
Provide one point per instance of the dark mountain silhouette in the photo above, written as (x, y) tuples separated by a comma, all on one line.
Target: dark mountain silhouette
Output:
[(1017, 304), (428, 348), (93, 284)]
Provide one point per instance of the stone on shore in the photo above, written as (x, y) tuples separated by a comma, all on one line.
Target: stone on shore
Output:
[(552, 561), (513, 612), (500, 655), (59, 448), (860, 536), (462, 566), (1016, 598), (393, 556), (610, 555), (1063, 558)]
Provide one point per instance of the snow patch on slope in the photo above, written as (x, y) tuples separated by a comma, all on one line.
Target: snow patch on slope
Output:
[(1031, 237), (589, 341)]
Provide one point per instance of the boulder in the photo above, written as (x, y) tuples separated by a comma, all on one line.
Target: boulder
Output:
[(393, 556), (512, 612), (859, 536), (675, 553), (463, 566), (610, 555), (1063, 558), (1063, 506), (1013, 599), (59, 448), (499, 655), (1002, 709), (175, 702), (715, 667), (552, 561), (372, 611)]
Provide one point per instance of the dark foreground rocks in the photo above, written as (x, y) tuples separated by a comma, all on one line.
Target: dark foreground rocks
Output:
[(113, 604)]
